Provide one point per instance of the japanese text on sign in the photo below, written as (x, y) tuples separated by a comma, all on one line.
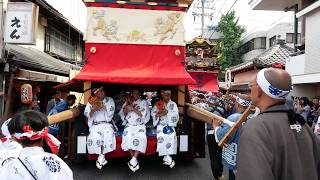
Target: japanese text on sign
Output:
[(21, 23)]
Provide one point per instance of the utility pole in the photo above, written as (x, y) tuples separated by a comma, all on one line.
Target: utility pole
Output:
[(205, 5), (202, 19)]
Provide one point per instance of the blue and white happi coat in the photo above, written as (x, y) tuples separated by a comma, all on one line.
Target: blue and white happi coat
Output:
[(166, 143), (134, 135), (101, 129), (229, 153)]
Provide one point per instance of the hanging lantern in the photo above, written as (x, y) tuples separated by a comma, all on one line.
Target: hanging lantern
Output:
[(26, 94)]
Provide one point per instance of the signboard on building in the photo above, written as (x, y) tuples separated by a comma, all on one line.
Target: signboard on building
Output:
[(21, 23)]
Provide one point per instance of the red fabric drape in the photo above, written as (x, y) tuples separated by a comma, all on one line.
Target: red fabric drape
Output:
[(151, 149), (206, 81), (135, 64)]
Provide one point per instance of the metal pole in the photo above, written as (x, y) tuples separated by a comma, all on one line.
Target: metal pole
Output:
[(202, 18), (295, 28), (2, 60)]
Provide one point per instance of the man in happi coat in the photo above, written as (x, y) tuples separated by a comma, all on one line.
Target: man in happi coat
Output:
[(30, 129), (277, 144), (165, 116), (229, 153), (101, 139), (135, 114), (9, 148)]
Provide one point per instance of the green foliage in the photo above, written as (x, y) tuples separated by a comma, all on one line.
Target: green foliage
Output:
[(228, 45)]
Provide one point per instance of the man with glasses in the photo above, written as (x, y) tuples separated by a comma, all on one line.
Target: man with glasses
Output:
[(276, 144)]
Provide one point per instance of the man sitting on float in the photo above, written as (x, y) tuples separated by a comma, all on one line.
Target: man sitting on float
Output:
[(101, 139), (134, 114), (165, 116)]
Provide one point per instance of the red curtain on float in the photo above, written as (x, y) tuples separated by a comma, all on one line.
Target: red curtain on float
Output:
[(135, 64), (206, 81)]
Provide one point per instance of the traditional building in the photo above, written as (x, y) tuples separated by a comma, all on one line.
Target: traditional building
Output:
[(238, 77), (58, 49), (303, 66)]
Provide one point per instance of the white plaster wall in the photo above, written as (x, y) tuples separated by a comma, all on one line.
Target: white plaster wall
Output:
[(312, 41), (40, 38), (307, 90)]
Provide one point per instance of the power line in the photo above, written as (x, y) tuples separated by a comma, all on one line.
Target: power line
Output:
[(217, 16), (232, 6), (205, 5)]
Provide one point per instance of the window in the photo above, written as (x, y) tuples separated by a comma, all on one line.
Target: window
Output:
[(260, 43), (290, 38), (256, 43), (272, 41), (63, 46)]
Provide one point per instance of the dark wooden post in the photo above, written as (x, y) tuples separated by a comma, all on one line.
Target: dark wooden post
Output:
[(9, 98)]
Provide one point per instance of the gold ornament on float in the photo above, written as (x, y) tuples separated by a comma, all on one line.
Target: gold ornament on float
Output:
[(93, 50)]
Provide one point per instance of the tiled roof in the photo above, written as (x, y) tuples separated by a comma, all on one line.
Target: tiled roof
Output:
[(35, 59), (241, 66), (278, 53)]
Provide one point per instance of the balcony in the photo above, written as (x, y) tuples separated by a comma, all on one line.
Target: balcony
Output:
[(297, 67), (274, 5)]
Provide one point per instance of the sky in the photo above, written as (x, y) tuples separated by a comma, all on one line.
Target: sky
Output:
[(75, 12), (252, 19)]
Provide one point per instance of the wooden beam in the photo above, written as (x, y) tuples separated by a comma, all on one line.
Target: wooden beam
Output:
[(87, 93), (235, 127), (64, 116), (203, 115)]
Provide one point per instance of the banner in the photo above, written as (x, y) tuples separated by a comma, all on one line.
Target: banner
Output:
[(135, 26)]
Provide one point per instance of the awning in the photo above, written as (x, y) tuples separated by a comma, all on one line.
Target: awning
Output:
[(206, 81), (23, 74), (135, 64), (72, 85), (29, 57)]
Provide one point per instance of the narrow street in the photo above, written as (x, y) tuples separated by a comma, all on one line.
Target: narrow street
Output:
[(150, 168)]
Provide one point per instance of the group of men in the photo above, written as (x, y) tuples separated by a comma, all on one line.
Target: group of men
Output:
[(274, 144), (135, 114)]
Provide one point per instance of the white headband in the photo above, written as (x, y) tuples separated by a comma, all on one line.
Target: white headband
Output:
[(243, 102), (4, 128), (95, 91), (270, 90)]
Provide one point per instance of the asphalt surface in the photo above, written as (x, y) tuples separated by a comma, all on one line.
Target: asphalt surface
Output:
[(151, 168)]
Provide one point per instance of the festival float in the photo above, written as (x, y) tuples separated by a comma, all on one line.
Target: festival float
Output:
[(202, 64), (129, 44)]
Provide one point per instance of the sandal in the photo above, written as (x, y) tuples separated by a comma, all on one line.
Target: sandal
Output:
[(133, 168)]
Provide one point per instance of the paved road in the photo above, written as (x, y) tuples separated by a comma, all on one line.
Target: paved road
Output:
[(150, 169)]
